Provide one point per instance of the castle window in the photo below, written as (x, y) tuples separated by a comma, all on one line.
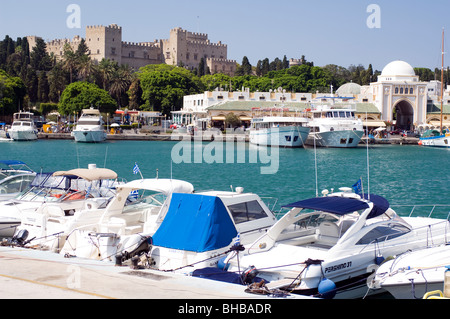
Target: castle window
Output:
[(396, 90), (411, 91), (401, 90)]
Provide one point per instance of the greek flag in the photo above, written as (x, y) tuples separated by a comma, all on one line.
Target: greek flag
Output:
[(237, 241), (136, 169), (357, 187)]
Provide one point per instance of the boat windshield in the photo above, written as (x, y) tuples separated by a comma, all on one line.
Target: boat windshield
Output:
[(88, 122), (382, 233), (46, 187)]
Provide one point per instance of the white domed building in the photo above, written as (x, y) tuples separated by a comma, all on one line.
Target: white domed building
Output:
[(399, 96)]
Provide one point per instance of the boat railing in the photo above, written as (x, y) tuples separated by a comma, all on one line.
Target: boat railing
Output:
[(271, 202), (423, 210), (433, 232)]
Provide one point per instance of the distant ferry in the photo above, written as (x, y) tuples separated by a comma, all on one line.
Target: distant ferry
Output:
[(23, 127), (279, 131), (333, 126), (89, 128)]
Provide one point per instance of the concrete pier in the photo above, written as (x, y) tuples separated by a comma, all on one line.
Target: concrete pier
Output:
[(32, 274)]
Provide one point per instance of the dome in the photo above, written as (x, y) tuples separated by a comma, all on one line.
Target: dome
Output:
[(398, 68), (349, 88)]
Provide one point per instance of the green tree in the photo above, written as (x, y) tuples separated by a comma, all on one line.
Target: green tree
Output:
[(70, 61), (232, 120), (40, 59), (43, 88), (81, 95), (135, 95), (164, 87), (12, 93)]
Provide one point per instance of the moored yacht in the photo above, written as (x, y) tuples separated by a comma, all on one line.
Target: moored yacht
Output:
[(328, 246), (61, 193), (89, 128), (200, 228), (334, 126), (412, 274), (23, 127), (280, 131)]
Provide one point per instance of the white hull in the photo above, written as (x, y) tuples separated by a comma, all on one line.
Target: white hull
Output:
[(341, 139), (8, 226), (289, 136), (23, 135), (89, 136), (436, 141), (411, 275)]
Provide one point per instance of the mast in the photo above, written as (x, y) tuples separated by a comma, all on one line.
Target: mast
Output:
[(442, 79)]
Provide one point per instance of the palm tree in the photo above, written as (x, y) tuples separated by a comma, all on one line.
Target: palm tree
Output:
[(86, 67), (120, 81), (70, 60), (105, 70)]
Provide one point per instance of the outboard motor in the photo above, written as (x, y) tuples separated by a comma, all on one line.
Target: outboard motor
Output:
[(143, 246), (19, 239)]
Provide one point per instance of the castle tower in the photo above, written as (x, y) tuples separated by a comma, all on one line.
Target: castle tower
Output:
[(105, 42)]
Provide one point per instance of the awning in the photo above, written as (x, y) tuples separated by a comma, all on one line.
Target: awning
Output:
[(374, 123), (245, 118), (218, 118), (343, 205), (331, 204), (89, 174)]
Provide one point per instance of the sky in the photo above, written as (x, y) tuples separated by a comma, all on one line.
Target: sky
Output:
[(324, 31)]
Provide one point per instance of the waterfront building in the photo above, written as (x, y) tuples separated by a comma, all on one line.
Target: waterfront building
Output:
[(397, 100), (182, 48)]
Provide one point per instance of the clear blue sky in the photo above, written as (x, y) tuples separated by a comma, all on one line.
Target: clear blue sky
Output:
[(325, 31)]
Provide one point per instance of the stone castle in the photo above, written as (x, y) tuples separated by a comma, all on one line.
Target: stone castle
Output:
[(183, 48)]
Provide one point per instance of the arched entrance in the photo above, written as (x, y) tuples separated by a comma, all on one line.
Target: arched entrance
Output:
[(403, 113)]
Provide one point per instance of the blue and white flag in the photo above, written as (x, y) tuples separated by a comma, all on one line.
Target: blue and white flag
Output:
[(136, 169), (357, 187)]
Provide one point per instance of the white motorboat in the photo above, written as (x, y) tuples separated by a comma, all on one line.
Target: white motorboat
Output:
[(15, 177), (200, 228), (280, 131), (331, 250), (412, 274), (23, 127), (61, 193), (89, 128), (138, 208), (334, 126)]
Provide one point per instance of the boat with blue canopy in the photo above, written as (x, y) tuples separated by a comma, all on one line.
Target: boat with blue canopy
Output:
[(328, 246), (200, 228)]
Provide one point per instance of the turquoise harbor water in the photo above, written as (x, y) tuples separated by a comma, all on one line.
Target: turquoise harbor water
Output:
[(403, 174)]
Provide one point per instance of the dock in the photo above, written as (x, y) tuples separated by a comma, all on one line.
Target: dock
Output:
[(34, 274), (132, 136)]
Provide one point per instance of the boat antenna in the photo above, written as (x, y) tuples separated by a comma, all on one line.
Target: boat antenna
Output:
[(442, 80), (315, 165), (368, 167), (106, 155)]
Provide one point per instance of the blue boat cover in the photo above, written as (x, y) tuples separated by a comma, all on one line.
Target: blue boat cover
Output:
[(343, 205), (12, 162), (195, 223)]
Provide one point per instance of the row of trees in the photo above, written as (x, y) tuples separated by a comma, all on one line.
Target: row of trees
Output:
[(32, 77)]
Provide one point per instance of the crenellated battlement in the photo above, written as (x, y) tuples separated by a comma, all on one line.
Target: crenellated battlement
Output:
[(181, 48)]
